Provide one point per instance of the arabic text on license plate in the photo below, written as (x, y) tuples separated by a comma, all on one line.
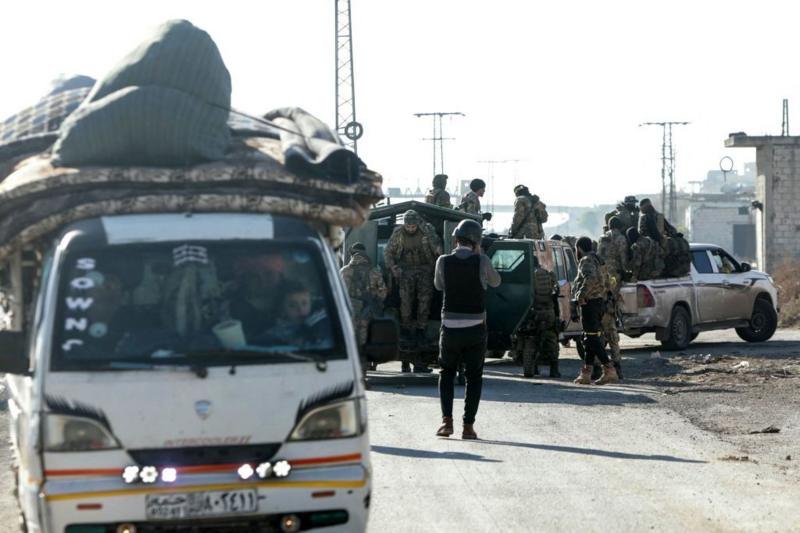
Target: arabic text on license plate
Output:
[(199, 504)]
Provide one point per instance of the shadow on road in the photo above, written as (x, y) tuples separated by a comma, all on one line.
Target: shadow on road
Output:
[(428, 454), (589, 451)]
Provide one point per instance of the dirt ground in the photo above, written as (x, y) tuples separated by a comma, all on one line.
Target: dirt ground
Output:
[(748, 394)]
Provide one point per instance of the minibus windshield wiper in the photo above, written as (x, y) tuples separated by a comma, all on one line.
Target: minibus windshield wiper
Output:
[(199, 370), (245, 355)]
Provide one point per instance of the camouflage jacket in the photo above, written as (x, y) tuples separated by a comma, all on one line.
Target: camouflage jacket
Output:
[(645, 260), (613, 249), (412, 250), (628, 217), (529, 215), (437, 196), (545, 288), (364, 283), (592, 280), (471, 203)]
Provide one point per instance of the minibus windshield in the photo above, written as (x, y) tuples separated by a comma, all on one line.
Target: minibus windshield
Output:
[(206, 303)]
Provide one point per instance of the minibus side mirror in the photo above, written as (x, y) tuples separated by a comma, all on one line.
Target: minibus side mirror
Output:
[(383, 338), (12, 353), (746, 267)]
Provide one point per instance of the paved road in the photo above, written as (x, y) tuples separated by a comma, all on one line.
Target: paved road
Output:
[(559, 457)]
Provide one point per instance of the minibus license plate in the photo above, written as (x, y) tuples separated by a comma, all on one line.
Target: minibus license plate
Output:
[(199, 504)]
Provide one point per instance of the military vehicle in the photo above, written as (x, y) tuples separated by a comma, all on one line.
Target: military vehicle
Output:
[(507, 306)]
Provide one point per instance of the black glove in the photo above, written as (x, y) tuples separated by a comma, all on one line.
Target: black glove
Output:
[(486, 216)]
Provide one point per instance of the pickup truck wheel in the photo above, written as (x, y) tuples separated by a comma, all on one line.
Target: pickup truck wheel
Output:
[(763, 323), (679, 331)]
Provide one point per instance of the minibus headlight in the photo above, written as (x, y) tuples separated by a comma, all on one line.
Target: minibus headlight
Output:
[(63, 433), (334, 421)]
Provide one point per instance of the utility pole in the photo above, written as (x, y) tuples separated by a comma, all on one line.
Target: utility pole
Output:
[(438, 138), (667, 167), (346, 123), (490, 176), (785, 122)]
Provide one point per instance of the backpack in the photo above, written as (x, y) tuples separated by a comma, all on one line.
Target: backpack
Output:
[(678, 260)]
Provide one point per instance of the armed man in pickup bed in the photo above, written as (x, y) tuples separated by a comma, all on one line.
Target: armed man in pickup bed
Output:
[(410, 256), (367, 291), (590, 292), (645, 259), (627, 212), (613, 250), (529, 215), (438, 195)]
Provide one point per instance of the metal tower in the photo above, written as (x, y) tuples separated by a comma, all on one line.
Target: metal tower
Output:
[(346, 123), (785, 122), (438, 139), (667, 167)]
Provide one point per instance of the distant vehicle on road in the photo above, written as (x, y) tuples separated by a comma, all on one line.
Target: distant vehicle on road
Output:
[(719, 293)]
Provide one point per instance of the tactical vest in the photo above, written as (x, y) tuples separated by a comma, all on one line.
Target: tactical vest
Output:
[(359, 282), (414, 250), (463, 290), (542, 289)]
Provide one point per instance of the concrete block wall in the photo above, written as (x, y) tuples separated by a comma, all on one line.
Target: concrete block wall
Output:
[(712, 222)]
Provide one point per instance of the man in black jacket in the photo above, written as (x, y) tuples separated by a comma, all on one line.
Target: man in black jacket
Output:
[(463, 276)]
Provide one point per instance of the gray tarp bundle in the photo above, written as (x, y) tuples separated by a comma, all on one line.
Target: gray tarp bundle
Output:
[(157, 134)]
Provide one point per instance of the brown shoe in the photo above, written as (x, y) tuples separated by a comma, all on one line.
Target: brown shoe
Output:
[(468, 433), (609, 375), (585, 378), (446, 428)]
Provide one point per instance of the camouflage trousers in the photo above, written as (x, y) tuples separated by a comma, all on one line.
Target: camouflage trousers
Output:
[(610, 333), (539, 344), (416, 285)]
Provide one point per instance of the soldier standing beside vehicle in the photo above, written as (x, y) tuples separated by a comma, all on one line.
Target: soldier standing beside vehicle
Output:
[(529, 215), (540, 345), (438, 195), (613, 250), (463, 276), (410, 257), (590, 291), (367, 292)]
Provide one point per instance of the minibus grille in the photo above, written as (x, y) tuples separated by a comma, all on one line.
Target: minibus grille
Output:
[(206, 455)]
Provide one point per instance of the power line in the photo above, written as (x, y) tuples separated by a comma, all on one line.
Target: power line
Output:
[(667, 166), (438, 138), (346, 123), (490, 176)]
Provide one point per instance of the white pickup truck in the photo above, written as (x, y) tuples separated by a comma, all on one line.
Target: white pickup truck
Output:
[(719, 293)]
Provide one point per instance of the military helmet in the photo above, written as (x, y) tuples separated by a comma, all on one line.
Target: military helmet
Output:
[(477, 184), (616, 223), (411, 217), (521, 190), (440, 180), (469, 230), (630, 200)]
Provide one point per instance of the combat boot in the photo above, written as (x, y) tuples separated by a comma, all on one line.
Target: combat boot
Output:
[(554, 372), (527, 364), (446, 429), (618, 368), (609, 375), (405, 367), (468, 433), (585, 378)]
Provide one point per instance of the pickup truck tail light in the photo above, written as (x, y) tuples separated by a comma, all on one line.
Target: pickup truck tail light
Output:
[(644, 298)]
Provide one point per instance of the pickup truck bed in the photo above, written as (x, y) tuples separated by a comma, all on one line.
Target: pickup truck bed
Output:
[(719, 293)]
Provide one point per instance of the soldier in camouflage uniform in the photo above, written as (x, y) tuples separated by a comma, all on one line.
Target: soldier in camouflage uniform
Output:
[(529, 215), (590, 290), (627, 212), (645, 261), (438, 195), (613, 250), (471, 202), (538, 341), (410, 256), (366, 288)]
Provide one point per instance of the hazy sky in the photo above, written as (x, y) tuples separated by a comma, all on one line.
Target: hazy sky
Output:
[(560, 85)]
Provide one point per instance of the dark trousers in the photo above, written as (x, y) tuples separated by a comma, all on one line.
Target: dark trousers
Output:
[(465, 346), (593, 340)]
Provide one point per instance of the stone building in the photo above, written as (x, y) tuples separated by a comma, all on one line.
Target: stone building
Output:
[(725, 220), (777, 196)]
